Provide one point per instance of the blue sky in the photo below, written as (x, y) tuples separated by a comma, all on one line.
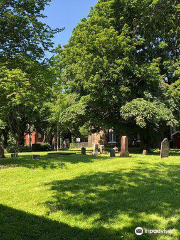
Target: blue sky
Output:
[(66, 13)]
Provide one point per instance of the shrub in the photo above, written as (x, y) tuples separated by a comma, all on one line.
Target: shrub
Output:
[(26, 149), (12, 148), (40, 147), (72, 146)]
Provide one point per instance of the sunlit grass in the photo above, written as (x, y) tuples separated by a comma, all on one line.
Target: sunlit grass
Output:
[(89, 197)]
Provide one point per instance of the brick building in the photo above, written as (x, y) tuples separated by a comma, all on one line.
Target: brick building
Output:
[(33, 138)]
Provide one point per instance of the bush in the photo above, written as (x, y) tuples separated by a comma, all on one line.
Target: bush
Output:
[(72, 146), (40, 147), (26, 149), (12, 148)]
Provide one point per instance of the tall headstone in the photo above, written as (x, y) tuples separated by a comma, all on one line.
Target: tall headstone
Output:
[(2, 152), (165, 148), (95, 149), (112, 153), (145, 152), (83, 151), (124, 147), (101, 149)]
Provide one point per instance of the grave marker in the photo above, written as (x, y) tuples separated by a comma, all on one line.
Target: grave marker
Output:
[(124, 147), (165, 148), (101, 149), (83, 151), (95, 149), (112, 153)]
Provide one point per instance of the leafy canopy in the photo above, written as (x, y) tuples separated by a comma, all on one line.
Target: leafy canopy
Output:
[(123, 59)]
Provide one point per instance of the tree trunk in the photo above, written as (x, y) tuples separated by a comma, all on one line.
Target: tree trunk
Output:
[(2, 152), (57, 137), (5, 137)]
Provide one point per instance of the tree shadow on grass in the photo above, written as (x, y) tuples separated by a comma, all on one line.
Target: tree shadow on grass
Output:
[(19, 225), (141, 196), (28, 162), (48, 162), (173, 152)]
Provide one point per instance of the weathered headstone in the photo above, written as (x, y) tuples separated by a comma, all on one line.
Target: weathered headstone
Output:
[(101, 149), (2, 152), (145, 152), (112, 153), (165, 148), (95, 149), (36, 157), (124, 147), (83, 151), (116, 149)]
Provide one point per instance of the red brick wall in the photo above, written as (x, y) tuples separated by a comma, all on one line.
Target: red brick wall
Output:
[(35, 138)]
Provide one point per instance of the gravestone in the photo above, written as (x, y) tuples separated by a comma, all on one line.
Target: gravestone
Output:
[(83, 151), (95, 149), (36, 157), (124, 147), (145, 152), (2, 152), (112, 153), (101, 149), (165, 148), (115, 149)]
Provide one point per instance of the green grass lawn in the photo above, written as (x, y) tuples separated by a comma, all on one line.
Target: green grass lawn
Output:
[(87, 197)]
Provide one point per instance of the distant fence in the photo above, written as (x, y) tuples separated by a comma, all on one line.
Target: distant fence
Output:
[(79, 145)]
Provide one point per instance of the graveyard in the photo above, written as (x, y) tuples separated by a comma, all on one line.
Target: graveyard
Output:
[(89, 120), (89, 196)]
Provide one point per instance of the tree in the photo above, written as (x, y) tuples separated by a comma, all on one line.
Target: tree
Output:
[(22, 95), (25, 77), (63, 112), (21, 29), (125, 51)]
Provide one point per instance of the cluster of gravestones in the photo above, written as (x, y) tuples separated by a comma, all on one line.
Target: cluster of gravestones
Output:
[(124, 149)]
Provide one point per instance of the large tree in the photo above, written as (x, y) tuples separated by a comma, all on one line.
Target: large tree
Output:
[(25, 77), (22, 94), (122, 60)]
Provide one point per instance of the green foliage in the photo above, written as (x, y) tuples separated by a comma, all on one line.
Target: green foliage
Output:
[(21, 29), (147, 113), (41, 147), (12, 146), (26, 149), (72, 146), (84, 130), (123, 51), (25, 78), (22, 93)]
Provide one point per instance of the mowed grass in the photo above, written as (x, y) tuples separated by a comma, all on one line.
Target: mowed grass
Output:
[(89, 197)]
